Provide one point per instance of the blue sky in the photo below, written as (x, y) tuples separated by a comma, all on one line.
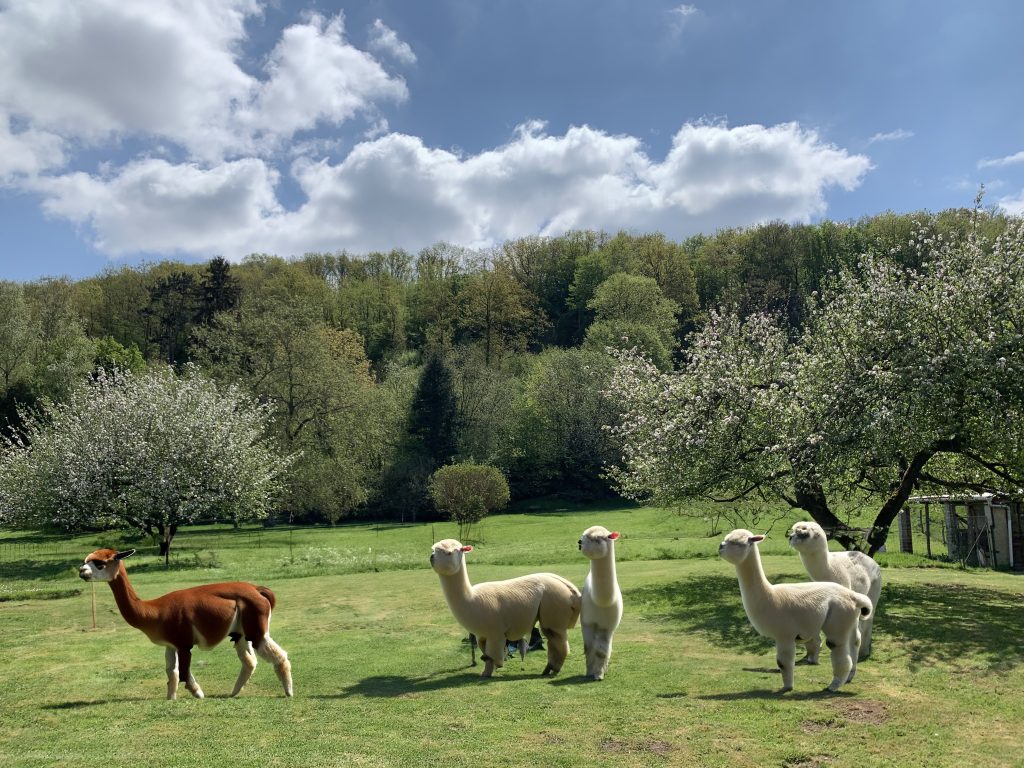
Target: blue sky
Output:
[(194, 128)]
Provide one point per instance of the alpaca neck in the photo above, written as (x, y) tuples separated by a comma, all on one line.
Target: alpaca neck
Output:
[(816, 563), (457, 589), (603, 582), (754, 585), (128, 603)]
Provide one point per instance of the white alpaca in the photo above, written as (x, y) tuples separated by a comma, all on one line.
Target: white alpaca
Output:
[(797, 613), (602, 600), (851, 569), (501, 611)]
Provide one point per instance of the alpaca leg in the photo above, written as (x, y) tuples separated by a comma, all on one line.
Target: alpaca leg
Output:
[(248, 658), (855, 643), (865, 638), (493, 647), (275, 654), (604, 654), (589, 640), (813, 647), (558, 650), (171, 665), (843, 654), (185, 671), (523, 645), (785, 657), (600, 652)]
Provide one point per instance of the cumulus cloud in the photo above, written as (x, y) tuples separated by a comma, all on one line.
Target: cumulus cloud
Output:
[(97, 71), (385, 40), (1000, 162), (215, 136), (1013, 206), (27, 152), (394, 191), (898, 135), (157, 207)]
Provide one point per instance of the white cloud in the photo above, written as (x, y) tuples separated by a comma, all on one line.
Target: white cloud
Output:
[(1013, 206), (680, 16), (94, 72), (394, 191), (385, 40), (379, 128), (999, 162), (898, 135), (27, 152), (155, 207)]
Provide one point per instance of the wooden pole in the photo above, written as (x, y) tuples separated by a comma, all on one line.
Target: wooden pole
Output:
[(928, 529)]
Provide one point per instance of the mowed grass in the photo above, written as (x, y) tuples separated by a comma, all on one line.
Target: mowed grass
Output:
[(383, 679)]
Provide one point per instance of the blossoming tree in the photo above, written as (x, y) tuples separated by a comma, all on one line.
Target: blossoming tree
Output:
[(901, 379), (151, 452)]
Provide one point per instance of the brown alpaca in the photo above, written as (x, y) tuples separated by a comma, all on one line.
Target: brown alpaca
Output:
[(200, 616)]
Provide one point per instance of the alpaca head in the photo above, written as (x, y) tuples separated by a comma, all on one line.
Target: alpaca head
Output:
[(447, 555), (102, 565), (597, 542), (807, 537), (738, 545)]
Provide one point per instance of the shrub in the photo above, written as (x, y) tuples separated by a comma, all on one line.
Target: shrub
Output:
[(468, 492)]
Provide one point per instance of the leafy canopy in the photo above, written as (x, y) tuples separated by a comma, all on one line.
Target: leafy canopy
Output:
[(151, 452), (902, 379)]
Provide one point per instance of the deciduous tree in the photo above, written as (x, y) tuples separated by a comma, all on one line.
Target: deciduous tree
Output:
[(902, 378), (152, 452)]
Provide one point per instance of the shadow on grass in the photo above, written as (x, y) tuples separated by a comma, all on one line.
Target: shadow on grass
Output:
[(84, 704), (709, 605), (390, 686), (825, 693), (953, 624), (36, 569)]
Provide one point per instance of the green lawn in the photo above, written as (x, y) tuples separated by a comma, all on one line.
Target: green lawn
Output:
[(382, 678)]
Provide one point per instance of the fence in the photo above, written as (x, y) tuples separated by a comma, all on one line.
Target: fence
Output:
[(923, 530)]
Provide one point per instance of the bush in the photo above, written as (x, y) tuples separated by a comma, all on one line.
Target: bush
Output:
[(468, 492)]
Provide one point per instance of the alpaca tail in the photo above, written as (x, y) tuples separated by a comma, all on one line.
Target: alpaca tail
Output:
[(865, 607), (265, 591)]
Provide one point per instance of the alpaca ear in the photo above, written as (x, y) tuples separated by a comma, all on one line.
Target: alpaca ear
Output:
[(755, 539), (467, 548), (123, 555), (613, 535)]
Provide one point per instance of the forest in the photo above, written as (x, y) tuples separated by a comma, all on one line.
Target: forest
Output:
[(377, 369)]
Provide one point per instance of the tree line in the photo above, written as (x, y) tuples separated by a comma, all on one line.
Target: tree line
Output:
[(377, 369)]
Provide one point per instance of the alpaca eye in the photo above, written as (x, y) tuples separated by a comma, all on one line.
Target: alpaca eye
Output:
[(99, 565)]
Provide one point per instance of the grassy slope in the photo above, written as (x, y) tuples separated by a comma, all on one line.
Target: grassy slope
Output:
[(382, 679)]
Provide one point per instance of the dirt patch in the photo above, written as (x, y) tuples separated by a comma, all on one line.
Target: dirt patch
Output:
[(652, 747), (863, 711), (811, 761), (819, 724)]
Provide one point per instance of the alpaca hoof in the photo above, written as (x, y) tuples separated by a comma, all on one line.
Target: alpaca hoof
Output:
[(785, 689), (807, 660)]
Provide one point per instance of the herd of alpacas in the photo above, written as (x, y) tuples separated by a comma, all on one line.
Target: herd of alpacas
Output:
[(839, 603)]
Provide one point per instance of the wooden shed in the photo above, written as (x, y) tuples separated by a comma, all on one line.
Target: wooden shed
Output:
[(985, 530)]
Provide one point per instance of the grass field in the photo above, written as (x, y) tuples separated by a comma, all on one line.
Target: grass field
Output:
[(382, 677)]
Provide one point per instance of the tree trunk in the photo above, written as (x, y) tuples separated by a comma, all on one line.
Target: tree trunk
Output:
[(811, 499), (167, 533), (898, 497)]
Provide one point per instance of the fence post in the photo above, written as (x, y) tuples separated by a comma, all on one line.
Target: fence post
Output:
[(906, 531), (928, 529)]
